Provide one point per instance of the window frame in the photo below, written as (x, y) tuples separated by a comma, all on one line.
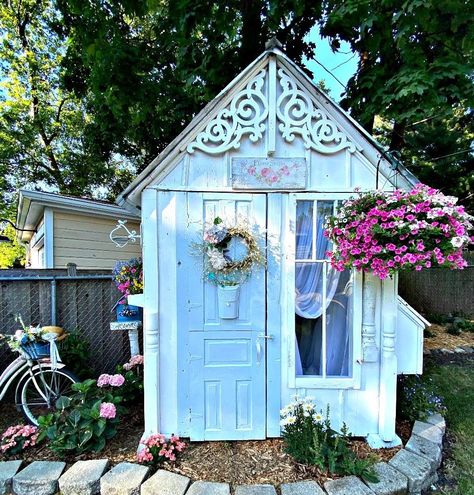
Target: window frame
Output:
[(314, 381)]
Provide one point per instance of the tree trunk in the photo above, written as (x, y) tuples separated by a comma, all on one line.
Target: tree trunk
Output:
[(397, 139), (252, 32)]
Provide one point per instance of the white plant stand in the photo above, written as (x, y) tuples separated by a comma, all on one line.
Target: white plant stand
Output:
[(132, 327)]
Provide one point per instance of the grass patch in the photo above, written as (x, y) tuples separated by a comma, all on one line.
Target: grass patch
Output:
[(455, 384)]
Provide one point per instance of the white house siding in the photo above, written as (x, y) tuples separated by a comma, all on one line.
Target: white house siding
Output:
[(84, 240)]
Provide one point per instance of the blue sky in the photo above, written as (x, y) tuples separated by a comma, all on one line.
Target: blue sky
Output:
[(332, 61)]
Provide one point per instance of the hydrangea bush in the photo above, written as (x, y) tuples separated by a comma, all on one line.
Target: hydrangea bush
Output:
[(157, 449), (87, 418), (309, 439), (384, 232), (17, 438)]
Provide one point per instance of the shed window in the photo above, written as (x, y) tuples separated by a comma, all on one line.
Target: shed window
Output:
[(323, 299)]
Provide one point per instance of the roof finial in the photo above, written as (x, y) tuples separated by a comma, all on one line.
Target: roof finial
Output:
[(272, 43)]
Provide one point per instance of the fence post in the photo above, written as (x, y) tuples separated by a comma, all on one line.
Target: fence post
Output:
[(53, 302)]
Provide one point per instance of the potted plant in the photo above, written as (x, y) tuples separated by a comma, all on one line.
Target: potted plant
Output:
[(384, 232), (128, 277)]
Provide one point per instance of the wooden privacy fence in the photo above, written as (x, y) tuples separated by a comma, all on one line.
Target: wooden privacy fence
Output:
[(440, 290), (82, 302)]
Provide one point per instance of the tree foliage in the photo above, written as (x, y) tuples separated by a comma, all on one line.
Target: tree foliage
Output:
[(96, 89), (41, 123), (12, 254)]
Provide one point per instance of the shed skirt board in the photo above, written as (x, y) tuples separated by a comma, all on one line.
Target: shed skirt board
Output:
[(225, 378)]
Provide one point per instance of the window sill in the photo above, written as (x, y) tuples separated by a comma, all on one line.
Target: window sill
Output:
[(332, 382)]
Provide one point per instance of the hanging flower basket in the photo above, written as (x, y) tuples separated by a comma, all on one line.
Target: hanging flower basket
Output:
[(384, 232)]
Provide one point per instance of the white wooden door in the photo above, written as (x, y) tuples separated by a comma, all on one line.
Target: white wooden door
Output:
[(226, 358)]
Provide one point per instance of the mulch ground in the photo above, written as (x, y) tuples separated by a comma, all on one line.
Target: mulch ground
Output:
[(239, 462), (436, 337)]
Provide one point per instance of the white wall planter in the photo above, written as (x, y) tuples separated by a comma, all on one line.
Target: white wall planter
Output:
[(228, 301), (136, 300)]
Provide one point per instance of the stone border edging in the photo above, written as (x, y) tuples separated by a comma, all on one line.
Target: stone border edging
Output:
[(410, 471)]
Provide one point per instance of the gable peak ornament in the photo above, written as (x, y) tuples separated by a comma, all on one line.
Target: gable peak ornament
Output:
[(273, 43)]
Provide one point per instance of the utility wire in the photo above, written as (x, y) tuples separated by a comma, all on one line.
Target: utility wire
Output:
[(468, 150), (330, 73), (345, 62)]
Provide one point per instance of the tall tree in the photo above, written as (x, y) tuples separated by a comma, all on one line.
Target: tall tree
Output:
[(416, 58), (40, 123), (149, 66)]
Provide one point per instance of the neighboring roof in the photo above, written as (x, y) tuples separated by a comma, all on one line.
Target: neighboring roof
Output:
[(31, 205), (373, 151)]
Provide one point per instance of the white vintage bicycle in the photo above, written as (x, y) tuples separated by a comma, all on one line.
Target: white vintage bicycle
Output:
[(41, 378)]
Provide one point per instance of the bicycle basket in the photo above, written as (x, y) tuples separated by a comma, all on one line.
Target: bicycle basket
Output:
[(35, 350)]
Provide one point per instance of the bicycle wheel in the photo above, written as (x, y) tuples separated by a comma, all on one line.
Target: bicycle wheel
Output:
[(37, 395)]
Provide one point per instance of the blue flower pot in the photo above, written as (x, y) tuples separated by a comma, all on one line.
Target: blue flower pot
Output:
[(127, 312)]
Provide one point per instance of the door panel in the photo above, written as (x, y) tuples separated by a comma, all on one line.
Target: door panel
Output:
[(226, 368)]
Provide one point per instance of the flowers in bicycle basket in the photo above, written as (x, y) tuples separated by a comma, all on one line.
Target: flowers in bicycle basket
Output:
[(17, 438), (128, 276), (24, 336), (220, 268)]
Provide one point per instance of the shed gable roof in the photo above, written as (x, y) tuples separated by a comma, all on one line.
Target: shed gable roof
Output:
[(271, 95)]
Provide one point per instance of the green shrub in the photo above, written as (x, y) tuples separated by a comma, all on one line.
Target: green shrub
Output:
[(417, 398), (74, 352), (84, 421), (309, 439)]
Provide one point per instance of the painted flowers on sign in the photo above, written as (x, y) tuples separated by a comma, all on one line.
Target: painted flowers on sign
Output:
[(384, 232), (269, 173)]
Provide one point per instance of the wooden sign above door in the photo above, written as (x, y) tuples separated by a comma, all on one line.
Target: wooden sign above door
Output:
[(269, 173)]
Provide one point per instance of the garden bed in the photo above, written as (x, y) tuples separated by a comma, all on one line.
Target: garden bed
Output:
[(238, 462), (241, 462)]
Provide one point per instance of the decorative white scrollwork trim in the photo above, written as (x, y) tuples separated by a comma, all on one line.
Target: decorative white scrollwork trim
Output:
[(299, 114), (246, 114)]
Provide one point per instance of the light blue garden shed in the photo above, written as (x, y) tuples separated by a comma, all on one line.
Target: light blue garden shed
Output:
[(273, 149)]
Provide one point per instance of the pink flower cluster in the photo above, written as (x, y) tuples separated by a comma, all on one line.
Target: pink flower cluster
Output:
[(158, 449), (386, 232), (113, 380), (18, 437), (134, 362), (107, 410)]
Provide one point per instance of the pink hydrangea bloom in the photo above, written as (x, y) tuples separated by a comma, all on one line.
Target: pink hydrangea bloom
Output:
[(116, 380), (136, 360), (103, 380), (107, 410)]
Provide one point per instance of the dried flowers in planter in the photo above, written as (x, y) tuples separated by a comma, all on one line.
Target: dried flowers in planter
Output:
[(128, 277), (384, 232)]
